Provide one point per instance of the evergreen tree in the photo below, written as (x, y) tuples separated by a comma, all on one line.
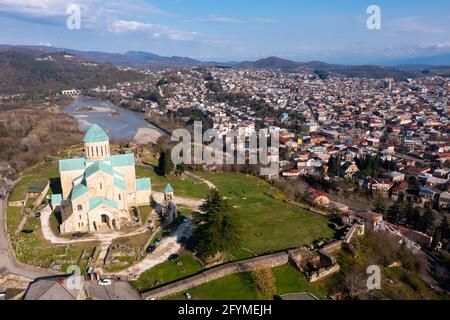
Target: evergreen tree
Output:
[(410, 215), (436, 238), (166, 165), (426, 221), (393, 213), (445, 229), (216, 228), (417, 219), (379, 206)]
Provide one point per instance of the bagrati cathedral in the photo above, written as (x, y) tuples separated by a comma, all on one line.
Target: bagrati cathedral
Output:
[(99, 189)]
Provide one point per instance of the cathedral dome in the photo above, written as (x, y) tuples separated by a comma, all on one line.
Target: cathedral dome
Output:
[(95, 134)]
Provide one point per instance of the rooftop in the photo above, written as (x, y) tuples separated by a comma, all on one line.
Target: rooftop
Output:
[(95, 134)]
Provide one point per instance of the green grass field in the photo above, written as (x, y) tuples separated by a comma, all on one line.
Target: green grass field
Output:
[(168, 272), (241, 286), (268, 224), (33, 248), (183, 186), (43, 173)]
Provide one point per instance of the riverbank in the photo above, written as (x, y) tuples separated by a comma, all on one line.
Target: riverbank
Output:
[(119, 123)]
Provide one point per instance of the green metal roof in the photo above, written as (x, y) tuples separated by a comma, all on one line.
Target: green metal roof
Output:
[(120, 184), (99, 166), (97, 202), (122, 160), (95, 134), (56, 200), (78, 190), (37, 187), (72, 164), (168, 189), (143, 184)]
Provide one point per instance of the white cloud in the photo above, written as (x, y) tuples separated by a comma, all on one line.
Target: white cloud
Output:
[(411, 25), (154, 30), (230, 20), (45, 44), (92, 9)]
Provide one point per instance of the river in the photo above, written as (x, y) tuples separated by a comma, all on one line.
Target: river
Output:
[(118, 123)]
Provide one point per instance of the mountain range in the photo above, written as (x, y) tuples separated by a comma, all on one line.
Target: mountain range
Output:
[(144, 60)]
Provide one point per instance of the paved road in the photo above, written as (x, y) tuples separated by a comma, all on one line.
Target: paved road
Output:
[(7, 262)]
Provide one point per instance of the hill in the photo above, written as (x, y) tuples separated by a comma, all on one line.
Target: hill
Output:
[(29, 71), (147, 60), (273, 63)]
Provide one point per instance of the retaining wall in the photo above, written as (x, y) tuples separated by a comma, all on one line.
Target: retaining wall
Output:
[(270, 261)]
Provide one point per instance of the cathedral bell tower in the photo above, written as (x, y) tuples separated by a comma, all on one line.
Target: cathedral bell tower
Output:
[(96, 144)]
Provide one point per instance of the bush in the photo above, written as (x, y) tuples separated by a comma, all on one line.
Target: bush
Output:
[(264, 280)]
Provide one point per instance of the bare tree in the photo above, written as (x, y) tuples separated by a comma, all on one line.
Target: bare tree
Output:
[(264, 280)]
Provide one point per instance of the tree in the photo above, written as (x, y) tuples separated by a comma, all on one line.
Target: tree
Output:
[(333, 166), (216, 227), (166, 165), (426, 221), (354, 283), (410, 214), (393, 213), (436, 238), (264, 280), (445, 229), (379, 206)]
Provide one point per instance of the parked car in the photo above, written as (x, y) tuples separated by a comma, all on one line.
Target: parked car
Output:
[(173, 257), (186, 219), (27, 231), (151, 249), (105, 282), (37, 215), (78, 234), (157, 241), (182, 239), (2, 296), (166, 234), (56, 266), (188, 296)]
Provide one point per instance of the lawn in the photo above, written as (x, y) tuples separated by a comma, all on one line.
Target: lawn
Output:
[(145, 212), (33, 248), (241, 286), (183, 186), (168, 272), (234, 287), (42, 173), (268, 225)]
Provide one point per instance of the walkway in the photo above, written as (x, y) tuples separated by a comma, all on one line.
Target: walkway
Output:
[(7, 260), (109, 237), (163, 251), (208, 183)]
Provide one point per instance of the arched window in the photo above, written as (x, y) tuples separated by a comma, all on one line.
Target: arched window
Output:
[(92, 151), (101, 186), (79, 207), (97, 150), (120, 197)]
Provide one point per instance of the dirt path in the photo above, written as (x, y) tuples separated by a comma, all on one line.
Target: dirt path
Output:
[(208, 183), (165, 249), (187, 202)]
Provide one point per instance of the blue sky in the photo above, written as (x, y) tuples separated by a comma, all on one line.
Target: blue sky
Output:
[(329, 30)]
